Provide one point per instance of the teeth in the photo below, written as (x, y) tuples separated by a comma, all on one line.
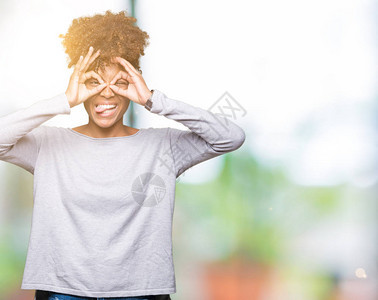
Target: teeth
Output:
[(107, 106)]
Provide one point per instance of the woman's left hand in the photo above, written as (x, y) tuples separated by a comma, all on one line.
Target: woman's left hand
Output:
[(137, 90)]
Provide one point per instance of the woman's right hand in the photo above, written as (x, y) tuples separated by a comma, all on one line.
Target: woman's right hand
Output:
[(77, 92)]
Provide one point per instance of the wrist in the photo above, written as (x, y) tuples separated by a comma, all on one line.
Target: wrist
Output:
[(69, 101), (147, 97)]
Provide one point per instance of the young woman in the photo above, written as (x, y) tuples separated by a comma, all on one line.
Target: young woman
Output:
[(104, 192)]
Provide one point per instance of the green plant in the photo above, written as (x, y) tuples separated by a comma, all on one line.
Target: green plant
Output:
[(251, 210)]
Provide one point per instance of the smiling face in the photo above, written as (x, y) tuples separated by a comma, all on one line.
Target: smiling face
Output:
[(115, 105)]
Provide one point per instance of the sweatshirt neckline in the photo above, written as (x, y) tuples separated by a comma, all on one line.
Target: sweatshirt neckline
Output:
[(104, 139)]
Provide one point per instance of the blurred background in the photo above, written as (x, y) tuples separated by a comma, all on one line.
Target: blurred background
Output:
[(292, 214)]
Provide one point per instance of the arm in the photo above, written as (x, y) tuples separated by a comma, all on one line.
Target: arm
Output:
[(19, 134), (18, 144), (208, 135)]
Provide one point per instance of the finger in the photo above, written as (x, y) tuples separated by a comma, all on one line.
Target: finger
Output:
[(78, 64), (118, 90), (79, 61), (94, 56), (131, 66), (126, 65), (86, 59), (120, 75), (96, 90), (91, 74), (89, 58)]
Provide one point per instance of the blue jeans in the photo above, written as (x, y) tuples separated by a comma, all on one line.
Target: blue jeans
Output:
[(47, 295)]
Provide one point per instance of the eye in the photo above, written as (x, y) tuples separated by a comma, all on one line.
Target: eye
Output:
[(121, 83), (92, 82)]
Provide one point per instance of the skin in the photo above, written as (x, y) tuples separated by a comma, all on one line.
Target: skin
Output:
[(118, 83)]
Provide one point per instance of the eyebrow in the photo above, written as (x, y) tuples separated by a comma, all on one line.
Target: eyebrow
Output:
[(94, 78), (91, 79)]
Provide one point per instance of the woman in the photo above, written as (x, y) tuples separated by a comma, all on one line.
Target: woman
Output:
[(104, 192)]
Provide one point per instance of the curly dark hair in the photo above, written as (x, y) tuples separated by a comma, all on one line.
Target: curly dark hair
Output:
[(115, 34)]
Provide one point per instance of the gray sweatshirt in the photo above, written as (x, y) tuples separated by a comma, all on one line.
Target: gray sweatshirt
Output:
[(103, 207)]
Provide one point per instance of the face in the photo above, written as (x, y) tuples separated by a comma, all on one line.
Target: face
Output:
[(111, 116)]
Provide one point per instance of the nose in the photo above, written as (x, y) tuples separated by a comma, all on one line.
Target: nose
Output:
[(107, 92)]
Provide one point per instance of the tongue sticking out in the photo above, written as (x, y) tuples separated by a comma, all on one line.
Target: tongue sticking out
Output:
[(101, 109)]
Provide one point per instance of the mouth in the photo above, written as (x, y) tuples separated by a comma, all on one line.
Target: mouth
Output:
[(105, 110)]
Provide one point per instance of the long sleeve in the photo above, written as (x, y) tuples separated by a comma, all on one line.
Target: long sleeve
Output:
[(18, 143), (209, 135)]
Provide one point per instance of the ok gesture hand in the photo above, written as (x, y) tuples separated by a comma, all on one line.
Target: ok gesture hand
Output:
[(77, 92), (137, 90)]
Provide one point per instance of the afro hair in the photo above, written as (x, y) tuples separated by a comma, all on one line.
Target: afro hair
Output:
[(115, 34)]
